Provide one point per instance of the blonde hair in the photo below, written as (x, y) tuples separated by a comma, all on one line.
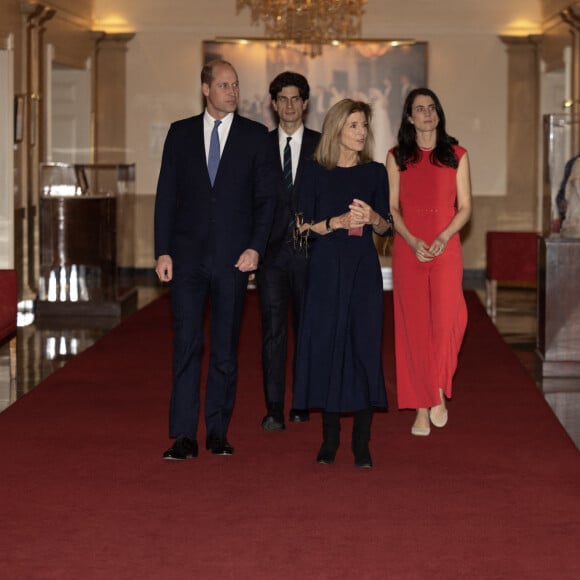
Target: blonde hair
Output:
[(327, 153)]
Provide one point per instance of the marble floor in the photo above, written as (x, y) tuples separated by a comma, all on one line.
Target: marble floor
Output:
[(44, 347)]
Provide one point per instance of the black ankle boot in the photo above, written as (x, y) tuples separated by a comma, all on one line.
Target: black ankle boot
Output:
[(361, 434), (330, 438)]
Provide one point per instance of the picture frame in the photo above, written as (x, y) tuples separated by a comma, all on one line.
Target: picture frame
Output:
[(19, 104), (378, 71)]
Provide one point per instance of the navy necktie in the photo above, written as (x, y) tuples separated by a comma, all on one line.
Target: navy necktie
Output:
[(213, 158), (288, 165)]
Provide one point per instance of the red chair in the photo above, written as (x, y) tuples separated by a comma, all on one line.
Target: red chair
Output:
[(511, 260), (8, 313)]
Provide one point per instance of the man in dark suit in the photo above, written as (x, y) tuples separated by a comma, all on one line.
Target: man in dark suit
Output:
[(281, 278), (213, 215)]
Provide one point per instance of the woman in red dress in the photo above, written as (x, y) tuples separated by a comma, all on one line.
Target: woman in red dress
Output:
[(430, 199)]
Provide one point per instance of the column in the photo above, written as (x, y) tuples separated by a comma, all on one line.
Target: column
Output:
[(523, 130), (110, 109)]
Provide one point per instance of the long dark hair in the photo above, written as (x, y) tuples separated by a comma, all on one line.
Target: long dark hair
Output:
[(407, 150)]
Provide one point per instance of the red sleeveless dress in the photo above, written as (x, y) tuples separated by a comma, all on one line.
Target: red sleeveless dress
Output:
[(429, 307)]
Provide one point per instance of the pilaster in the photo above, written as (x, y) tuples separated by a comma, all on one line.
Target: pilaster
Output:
[(109, 132), (523, 129)]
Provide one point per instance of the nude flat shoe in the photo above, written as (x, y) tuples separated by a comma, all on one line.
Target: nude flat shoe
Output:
[(438, 414), (420, 431)]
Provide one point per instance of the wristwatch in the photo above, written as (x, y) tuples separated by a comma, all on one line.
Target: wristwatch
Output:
[(329, 228)]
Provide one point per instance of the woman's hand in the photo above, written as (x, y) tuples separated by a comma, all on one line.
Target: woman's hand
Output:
[(422, 251), (337, 222), (438, 246), (362, 214), (342, 221)]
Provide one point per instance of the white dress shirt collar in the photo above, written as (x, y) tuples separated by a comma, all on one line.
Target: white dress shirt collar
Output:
[(295, 146), (223, 130)]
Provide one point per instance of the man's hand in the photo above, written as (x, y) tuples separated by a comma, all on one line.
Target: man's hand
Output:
[(164, 268), (248, 261)]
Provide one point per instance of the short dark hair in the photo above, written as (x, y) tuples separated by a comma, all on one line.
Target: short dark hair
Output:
[(290, 79), (207, 70)]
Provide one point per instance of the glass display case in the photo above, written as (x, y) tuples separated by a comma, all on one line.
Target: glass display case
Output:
[(560, 134), (558, 319), (78, 238), (66, 179)]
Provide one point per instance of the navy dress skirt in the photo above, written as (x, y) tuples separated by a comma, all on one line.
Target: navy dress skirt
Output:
[(338, 363)]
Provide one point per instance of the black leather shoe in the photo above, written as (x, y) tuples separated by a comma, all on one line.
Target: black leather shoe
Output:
[(219, 446), (327, 454), (182, 448), (271, 423), (362, 459), (299, 415)]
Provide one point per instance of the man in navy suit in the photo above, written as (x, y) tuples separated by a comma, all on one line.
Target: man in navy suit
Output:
[(213, 214), (281, 278)]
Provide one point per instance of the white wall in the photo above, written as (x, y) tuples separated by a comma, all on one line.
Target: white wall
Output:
[(467, 66), (70, 134)]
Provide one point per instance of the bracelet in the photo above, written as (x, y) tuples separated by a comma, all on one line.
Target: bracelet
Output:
[(329, 228)]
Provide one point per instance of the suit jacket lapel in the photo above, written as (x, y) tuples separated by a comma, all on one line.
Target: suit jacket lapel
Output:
[(226, 155), (305, 153), (275, 136), (233, 137), (309, 141), (196, 147)]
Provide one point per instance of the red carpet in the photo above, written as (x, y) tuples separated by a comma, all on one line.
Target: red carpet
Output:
[(85, 494)]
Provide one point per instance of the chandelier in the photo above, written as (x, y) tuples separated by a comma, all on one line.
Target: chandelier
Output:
[(308, 23)]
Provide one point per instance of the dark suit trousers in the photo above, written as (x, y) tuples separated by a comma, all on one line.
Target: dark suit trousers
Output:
[(281, 282), (191, 288)]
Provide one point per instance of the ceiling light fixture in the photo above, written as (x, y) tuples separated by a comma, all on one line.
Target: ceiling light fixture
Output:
[(308, 23)]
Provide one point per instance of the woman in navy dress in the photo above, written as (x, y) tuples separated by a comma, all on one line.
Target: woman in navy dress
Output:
[(343, 198)]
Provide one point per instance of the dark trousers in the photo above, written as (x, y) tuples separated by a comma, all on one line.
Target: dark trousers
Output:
[(191, 288), (281, 283)]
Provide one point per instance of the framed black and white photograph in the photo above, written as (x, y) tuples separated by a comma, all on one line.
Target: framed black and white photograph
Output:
[(380, 72)]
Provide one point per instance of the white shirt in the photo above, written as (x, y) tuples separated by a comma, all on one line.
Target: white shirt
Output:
[(223, 130), (295, 146)]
